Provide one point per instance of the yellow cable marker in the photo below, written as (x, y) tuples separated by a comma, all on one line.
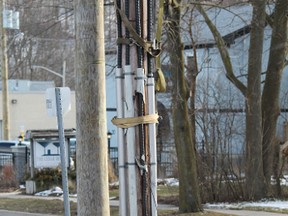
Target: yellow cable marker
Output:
[(134, 121)]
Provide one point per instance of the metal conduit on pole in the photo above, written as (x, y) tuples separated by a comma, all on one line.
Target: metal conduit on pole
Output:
[(140, 77), (151, 110), (137, 148), (130, 132), (119, 91)]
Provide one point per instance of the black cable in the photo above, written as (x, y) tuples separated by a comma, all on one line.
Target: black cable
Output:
[(149, 35), (149, 38), (127, 34), (119, 29), (140, 106), (138, 7)]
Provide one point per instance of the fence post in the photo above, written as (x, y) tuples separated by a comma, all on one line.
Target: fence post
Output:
[(19, 161)]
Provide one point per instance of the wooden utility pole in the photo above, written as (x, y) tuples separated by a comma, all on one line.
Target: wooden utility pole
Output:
[(136, 102), (4, 74), (92, 160)]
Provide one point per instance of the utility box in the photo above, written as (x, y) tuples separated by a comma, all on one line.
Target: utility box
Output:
[(30, 187)]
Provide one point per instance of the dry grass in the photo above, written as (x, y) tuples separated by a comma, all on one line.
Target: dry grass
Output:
[(166, 194), (56, 207), (197, 214), (36, 206)]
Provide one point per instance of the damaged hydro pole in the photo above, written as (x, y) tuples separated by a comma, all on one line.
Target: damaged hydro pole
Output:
[(136, 112)]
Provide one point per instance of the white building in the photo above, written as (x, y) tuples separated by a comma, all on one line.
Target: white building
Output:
[(27, 109)]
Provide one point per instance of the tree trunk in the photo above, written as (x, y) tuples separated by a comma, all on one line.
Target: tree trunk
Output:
[(270, 98), (189, 198), (255, 182), (192, 70), (92, 176)]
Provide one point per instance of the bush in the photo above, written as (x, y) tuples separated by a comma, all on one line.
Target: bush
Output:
[(50, 177), (8, 177)]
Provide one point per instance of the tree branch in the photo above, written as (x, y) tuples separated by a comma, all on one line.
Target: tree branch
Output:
[(223, 52)]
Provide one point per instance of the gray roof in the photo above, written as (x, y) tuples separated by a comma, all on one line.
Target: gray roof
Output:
[(28, 85), (231, 23)]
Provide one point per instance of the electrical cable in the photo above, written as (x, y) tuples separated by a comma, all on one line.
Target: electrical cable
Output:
[(140, 105)]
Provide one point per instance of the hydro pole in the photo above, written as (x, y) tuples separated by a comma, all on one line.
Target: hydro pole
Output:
[(136, 116), (4, 76), (92, 154)]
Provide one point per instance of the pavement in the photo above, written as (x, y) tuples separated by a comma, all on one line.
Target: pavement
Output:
[(116, 203)]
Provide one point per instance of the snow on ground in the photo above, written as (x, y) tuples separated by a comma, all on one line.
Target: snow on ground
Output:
[(168, 182), (175, 182), (265, 203), (56, 191), (274, 204)]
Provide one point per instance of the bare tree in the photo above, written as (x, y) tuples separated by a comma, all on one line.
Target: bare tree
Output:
[(48, 40), (220, 139), (253, 98), (189, 197), (270, 98), (255, 182), (92, 167)]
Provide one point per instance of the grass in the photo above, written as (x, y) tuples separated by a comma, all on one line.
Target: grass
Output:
[(165, 191), (113, 193), (166, 194), (36, 205), (56, 207)]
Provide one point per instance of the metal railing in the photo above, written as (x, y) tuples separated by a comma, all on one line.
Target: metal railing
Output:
[(113, 155), (6, 158)]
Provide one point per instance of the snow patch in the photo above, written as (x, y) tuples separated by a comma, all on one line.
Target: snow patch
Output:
[(56, 191), (276, 204)]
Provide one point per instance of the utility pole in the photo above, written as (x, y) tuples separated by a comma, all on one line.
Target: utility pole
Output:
[(92, 157), (136, 115), (4, 73)]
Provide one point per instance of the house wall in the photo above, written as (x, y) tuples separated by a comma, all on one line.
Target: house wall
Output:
[(28, 112)]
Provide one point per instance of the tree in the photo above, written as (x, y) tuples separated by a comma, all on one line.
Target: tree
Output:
[(92, 167), (255, 182), (270, 98), (48, 40), (189, 198), (269, 101)]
